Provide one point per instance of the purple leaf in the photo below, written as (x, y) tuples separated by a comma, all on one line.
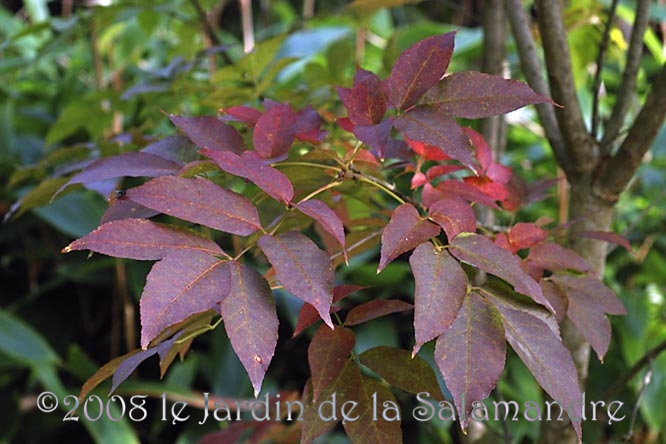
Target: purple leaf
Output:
[(270, 180), (142, 240), (200, 201), (129, 364), (475, 95), (303, 269), (429, 125), (210, 132), (136, 164), (406, 230), (589, 301), (441, 287), (250, 321), (377, 137), (471, 354), (553, 257), (308, 126), (274, 131), (327, 355), (418, 68), (454, 215), (375, 309), (126, 209), (534, 337), (326, 217), (481, 252), (178, 286), (365, 101)]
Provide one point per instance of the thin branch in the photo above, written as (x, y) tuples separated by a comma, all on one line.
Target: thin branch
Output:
[(529, 59), (599, 64), (580, 147), (619, 170), (649, 357), (628, 85)]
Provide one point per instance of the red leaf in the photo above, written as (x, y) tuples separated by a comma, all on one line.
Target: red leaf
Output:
[(418, 180), (377, 137), (441, 287), (426, 124), (553, 257), (275, 131), (487, 186), (314, 424), (302, 268), (405, 231), (365, 101), (326, 217), (441, 170), (250, 321), (135, 164), (375, 309), (454, 215), (272, 181), (428, 152), (200, 201), (471, 354), (176, 148), (534, 337), (465, 191), (606, 236), (210, 132), (178, 286), (482, 253), (589, 301), (418, 68), (525, 235), (401, 370), (327, 355), (142, 240), (475, 95)]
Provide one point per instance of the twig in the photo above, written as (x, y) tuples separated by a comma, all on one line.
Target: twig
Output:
[(600, 61), (248, 27), (641, 392), (628, 85), (208, 29)]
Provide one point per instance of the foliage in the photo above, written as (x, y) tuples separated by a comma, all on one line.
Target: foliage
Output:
[(283, 197)]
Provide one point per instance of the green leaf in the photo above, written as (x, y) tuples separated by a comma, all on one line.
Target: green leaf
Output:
[(22, 343)]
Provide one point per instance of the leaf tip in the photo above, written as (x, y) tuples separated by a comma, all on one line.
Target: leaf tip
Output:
[(67, 249)]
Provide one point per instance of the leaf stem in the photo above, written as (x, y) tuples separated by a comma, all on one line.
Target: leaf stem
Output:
[(199, 331)]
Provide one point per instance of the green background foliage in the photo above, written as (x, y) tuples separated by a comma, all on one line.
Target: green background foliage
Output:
[(102, 80)]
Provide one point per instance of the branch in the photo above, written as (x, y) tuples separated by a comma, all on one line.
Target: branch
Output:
[(628, 86), (618, 171), (207, 28), (649, 357), (529, 59), (579, 145), (599, 64)]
